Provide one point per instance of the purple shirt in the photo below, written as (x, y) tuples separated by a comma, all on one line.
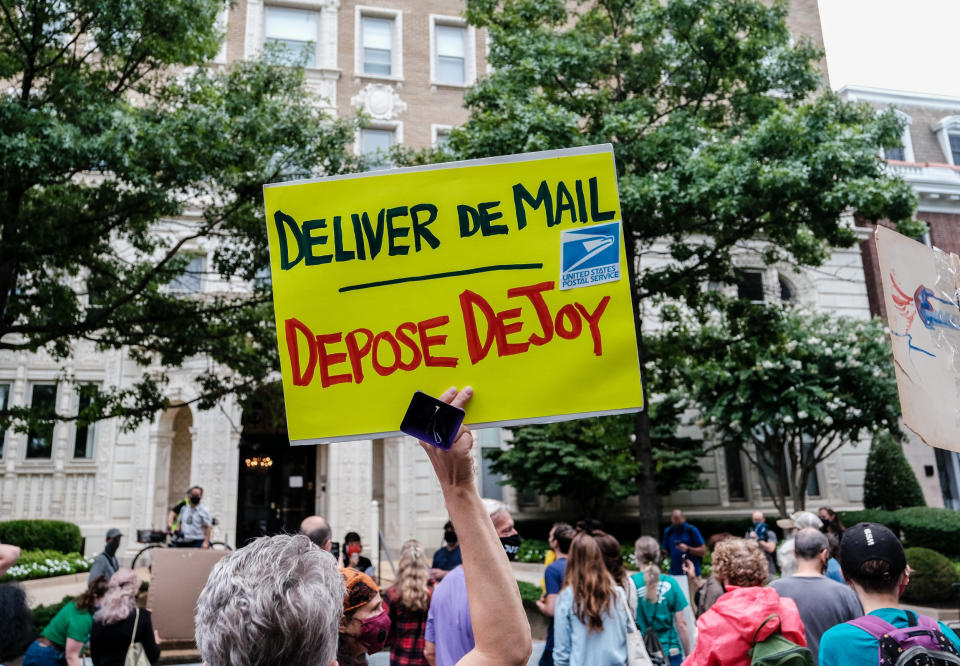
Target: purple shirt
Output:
[(448, 621)]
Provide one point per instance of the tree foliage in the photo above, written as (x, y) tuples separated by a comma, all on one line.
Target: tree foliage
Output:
[(590, 461), (889, 482), (122, 154), (720, 131), (789, 388)]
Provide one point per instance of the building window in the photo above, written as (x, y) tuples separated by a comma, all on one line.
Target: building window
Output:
[(4, 403), (764, 286), (441, 136), (451, 64), (375, 145), (377, 43), (190, 281), (955, 148), (452, 51), (948, 135), (736, 488), (86, 434), (750, 286), (43, 401), (895, 154), (293, 33)]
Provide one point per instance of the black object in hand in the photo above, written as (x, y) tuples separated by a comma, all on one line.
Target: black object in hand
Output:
[(432, 421)]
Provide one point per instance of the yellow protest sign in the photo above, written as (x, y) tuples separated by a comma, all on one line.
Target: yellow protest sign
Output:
[(507, 274)]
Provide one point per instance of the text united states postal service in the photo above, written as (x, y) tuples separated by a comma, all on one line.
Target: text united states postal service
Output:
[(507, 274)]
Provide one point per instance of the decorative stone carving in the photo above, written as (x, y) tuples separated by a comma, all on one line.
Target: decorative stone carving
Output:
[(381, 101)]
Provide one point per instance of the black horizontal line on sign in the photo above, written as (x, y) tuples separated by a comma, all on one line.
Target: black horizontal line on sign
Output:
[(437, 276)]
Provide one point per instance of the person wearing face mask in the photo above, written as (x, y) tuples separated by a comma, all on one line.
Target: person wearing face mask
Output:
[(190, 522), (365, 624), (352, 546), (106, 564), (449, 634), (447, 558)]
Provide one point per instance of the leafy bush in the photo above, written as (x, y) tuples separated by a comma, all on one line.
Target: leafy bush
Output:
[(532, 550), (889, 482), (43, 614), (928, 527), (932, 578), (887, 518), (529, 593), (45, 564), (42, 535)]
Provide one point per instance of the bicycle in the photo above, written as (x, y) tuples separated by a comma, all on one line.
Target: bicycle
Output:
[(161, 539)]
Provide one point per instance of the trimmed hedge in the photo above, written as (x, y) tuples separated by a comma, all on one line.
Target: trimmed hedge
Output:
[(889, 482), (888, 518), (932, 578), (56, 535), (918, 526), (926, 527)]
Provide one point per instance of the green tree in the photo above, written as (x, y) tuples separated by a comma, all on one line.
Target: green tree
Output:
[(590, 461), (120, 149), (786, 387), (889, 482), (719, 129)]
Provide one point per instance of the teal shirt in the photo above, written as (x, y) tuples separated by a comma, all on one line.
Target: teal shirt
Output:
[(660, 615), (847, 645)]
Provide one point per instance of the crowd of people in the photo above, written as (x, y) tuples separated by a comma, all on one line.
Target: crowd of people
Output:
[(288, 599)]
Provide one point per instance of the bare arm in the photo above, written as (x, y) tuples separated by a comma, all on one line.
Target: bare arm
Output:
[(500, 628), (73, 652), (698, 551), (692, 578), (768, 546), (170, 518), (430, 653), (548, 604), (8, 557), (681, 622), (206, 537), (438, 574)]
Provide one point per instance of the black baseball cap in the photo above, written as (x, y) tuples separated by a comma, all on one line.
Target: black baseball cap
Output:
[(870, 541)]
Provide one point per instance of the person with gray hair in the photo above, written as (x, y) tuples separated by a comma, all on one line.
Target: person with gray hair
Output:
[(822, 602), (280, 600), (798, 520), (277, 601), (450, 631)]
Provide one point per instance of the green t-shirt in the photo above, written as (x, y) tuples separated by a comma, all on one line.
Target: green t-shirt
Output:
[(70, 622), (660, 615)]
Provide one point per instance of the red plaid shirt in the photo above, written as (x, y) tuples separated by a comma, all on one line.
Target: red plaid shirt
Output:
[(406, 630)]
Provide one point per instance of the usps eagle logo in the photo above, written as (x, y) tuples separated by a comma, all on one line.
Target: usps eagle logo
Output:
[(590, 255)]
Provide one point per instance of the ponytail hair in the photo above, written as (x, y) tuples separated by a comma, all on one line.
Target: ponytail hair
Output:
[(647, 552)]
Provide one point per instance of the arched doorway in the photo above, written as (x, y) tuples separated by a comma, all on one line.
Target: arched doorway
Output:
[(181, 455), (277, 482)]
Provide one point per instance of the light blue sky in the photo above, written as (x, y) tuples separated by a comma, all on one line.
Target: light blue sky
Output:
[(910, 45)]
